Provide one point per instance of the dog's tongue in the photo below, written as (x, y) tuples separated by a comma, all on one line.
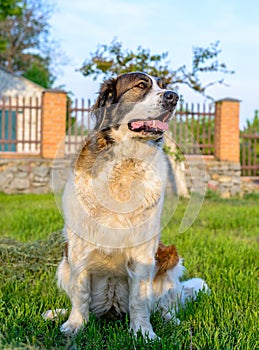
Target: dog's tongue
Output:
[(149, 124)]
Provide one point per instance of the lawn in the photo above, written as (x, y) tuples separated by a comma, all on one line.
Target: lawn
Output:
[(221, 247)]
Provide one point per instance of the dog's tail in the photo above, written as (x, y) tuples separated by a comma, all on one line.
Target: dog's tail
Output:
[(191, 288)]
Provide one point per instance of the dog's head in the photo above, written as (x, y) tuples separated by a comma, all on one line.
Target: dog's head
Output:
[(134, 105)]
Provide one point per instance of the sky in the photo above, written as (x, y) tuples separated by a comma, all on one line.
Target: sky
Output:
[(164, 26)]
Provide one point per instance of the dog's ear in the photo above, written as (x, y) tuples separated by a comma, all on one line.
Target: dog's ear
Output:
[(105, 98), (106, 94)]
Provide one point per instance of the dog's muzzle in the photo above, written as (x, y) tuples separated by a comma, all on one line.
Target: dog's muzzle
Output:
[(159, 124), (170, 99)]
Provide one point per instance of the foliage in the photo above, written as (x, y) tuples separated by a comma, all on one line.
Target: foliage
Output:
[(39, 73), (177, 155), (113, 59), (220, 247), (10, 8), (27, 49), (253, 125)]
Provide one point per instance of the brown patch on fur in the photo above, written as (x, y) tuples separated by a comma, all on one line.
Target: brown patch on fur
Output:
[(166, 258), (91, 150)]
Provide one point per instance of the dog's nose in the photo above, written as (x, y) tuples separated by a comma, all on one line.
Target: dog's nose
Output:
[(171, 97)]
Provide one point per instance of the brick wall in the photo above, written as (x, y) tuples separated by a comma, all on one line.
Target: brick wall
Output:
[(227, 130), (53, 124)]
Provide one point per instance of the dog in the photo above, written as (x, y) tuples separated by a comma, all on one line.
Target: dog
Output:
[(112, 206)]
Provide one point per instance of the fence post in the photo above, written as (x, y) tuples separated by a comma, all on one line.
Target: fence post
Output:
[(227, 130), (53, 123)]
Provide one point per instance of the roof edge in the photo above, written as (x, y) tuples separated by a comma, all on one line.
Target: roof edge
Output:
[(20, 77)]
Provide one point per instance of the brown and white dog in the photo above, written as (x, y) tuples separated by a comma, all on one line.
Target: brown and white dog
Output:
[(112, 206)]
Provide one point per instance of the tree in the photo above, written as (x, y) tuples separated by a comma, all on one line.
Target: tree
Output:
[(10, 8), (28, 50), (39, 72), (253, 125), (113, 59)]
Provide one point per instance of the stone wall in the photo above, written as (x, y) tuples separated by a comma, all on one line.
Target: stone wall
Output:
[(34, 176), (220, 176), (249, 185), (31, 175)]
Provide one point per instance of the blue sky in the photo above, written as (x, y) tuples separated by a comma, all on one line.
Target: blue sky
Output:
[(172, 26)]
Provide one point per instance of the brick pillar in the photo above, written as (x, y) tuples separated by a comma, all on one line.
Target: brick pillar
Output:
[(53, 123), (227, 130)]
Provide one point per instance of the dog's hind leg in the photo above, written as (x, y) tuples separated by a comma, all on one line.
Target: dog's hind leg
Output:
[(191, 288)]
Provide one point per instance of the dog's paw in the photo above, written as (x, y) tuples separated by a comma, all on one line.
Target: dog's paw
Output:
[(149, 334), (146, 330), (71, 327), (170, 317), (53, 314)]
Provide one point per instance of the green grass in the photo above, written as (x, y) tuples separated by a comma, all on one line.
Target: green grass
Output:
[(28, 217), (221, 247)]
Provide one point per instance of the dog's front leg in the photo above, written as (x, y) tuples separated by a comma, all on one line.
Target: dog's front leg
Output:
[(80, 294), (141, 297)]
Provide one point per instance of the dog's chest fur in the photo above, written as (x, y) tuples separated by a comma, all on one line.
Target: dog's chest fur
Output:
[(121, 188)]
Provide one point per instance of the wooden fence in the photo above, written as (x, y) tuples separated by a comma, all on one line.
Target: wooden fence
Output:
[(78, 124), (20, 125), (249, 152), (193, 129)]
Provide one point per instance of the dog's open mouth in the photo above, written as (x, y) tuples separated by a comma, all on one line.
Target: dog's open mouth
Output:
[(154, 126)]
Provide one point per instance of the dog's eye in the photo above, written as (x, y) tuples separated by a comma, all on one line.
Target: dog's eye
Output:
[(142, 85)]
